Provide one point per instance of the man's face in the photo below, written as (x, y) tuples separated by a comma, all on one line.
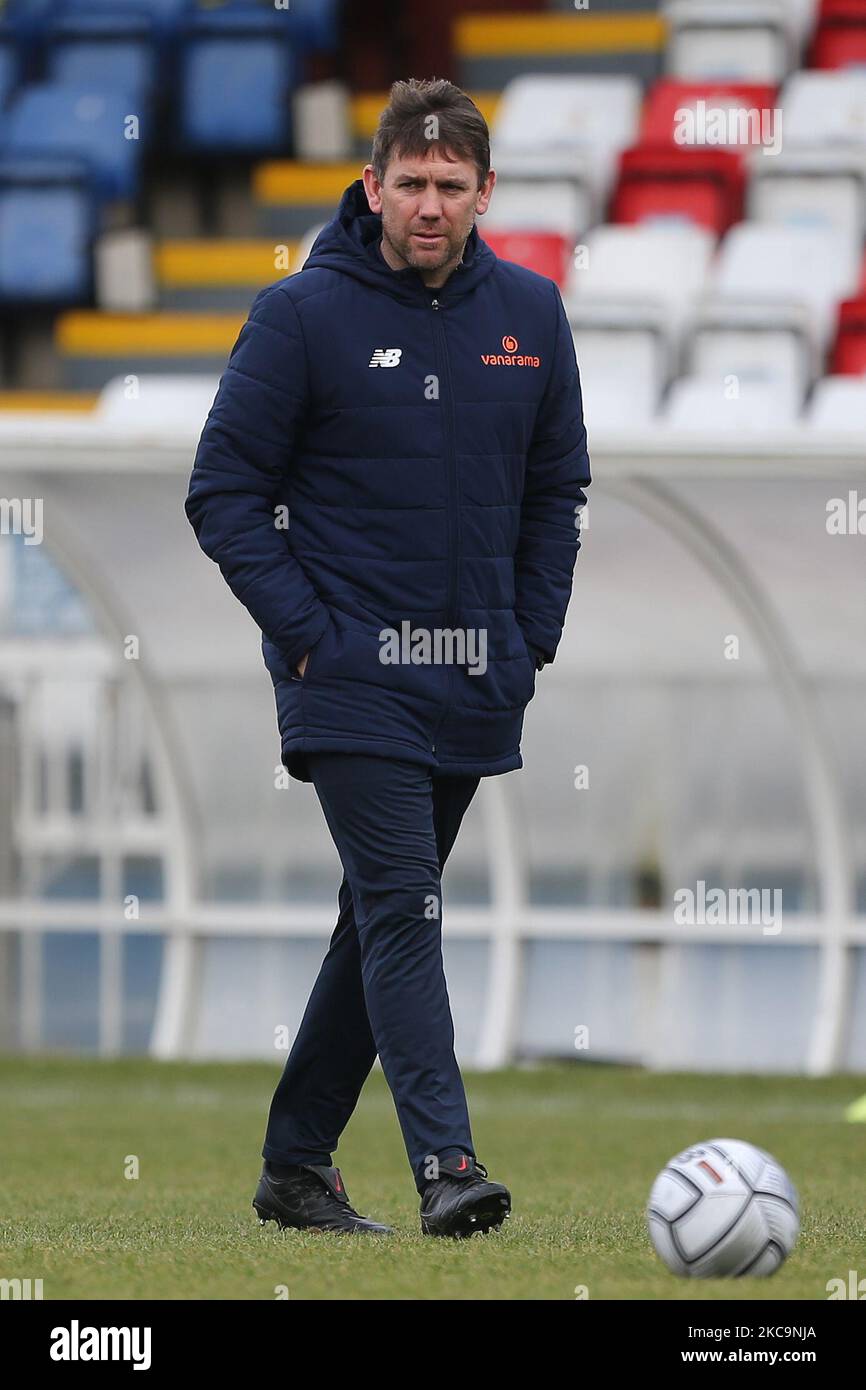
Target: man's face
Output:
[(428, 208)]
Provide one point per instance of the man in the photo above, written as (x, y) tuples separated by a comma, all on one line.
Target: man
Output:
[(390, 479)]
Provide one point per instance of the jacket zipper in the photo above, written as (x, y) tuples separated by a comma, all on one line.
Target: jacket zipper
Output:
[(453, 517)]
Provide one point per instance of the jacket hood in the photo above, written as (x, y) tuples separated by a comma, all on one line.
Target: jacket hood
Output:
[(349, 243)]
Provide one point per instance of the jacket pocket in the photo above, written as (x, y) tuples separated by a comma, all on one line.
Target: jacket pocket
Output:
[(530, 661), (311, 657)]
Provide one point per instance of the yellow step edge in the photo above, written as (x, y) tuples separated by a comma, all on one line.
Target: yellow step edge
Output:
[(292, 181), (367, 107), (523, 35), (47, 400), (187, 264), (84, 333), (289, 181)]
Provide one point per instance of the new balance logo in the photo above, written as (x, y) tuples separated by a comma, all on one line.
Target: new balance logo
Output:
[(386, 357)]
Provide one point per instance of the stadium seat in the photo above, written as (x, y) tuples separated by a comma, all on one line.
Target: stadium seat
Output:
[(54, 119), (543, 205), (308, 23), (566, 127), (756, 41), (26, 17), (9, 68), (664, 122), (729, 341), (839, 404), (306, 243), (547, 253), (322, 121), (237, 76), (848, 357), (657, 182), (839, 40), (620, 360), (825, 108), (644, 267), (635, 293), (777, 267), (47, 223), (620, 403), (811, 187), (114, 48), (161, 401), (316, 23), (166, 15), (709, 406)]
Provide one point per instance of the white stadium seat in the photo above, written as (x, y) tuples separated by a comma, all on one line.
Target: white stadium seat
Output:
[(775, 267), (611, 352), (752, 351), (707, 406), (322, 121), (739, 40), (305, 245), (810, 187), (661, 266), (564, 126), (543, 205), (160, 404), (839, 404), (825, 108), (619, 403)]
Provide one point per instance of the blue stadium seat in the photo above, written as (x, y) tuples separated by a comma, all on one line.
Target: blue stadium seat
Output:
[(53, 119), (24, 12), (164, 13), (9, 69), (111, 50), (27, 18), (47, 224), (237, 74), (309, 23), (317, 22)]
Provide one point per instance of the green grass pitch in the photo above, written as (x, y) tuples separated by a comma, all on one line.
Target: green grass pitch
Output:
[(579, 1146)]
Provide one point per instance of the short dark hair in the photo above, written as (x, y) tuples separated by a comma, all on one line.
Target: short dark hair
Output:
[(404, 128)]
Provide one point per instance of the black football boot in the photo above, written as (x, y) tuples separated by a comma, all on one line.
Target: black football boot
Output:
[(461, 1201), (309, 1197)]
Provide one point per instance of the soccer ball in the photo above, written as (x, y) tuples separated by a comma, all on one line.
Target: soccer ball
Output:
[(721, 1209)]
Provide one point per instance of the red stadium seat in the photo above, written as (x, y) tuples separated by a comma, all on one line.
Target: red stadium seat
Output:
[(548, 253), (840, 35), (667, 97), (705, 185), (848, 357)]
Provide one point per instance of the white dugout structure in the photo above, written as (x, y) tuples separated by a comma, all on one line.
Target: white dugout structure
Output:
[(164, 889)]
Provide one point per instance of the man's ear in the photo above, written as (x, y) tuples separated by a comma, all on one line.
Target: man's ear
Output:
[(485, 193), (372, 188)]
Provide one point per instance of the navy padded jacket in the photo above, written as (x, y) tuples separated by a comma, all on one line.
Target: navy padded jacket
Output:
[(379, 454)]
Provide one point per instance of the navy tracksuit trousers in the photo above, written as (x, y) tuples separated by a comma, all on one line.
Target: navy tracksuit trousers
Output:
[(381, 988)]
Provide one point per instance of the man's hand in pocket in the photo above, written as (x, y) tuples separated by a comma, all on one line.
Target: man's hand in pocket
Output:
[(302, 664)]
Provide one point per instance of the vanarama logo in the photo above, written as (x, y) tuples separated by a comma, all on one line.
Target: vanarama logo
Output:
[(510, 357)]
